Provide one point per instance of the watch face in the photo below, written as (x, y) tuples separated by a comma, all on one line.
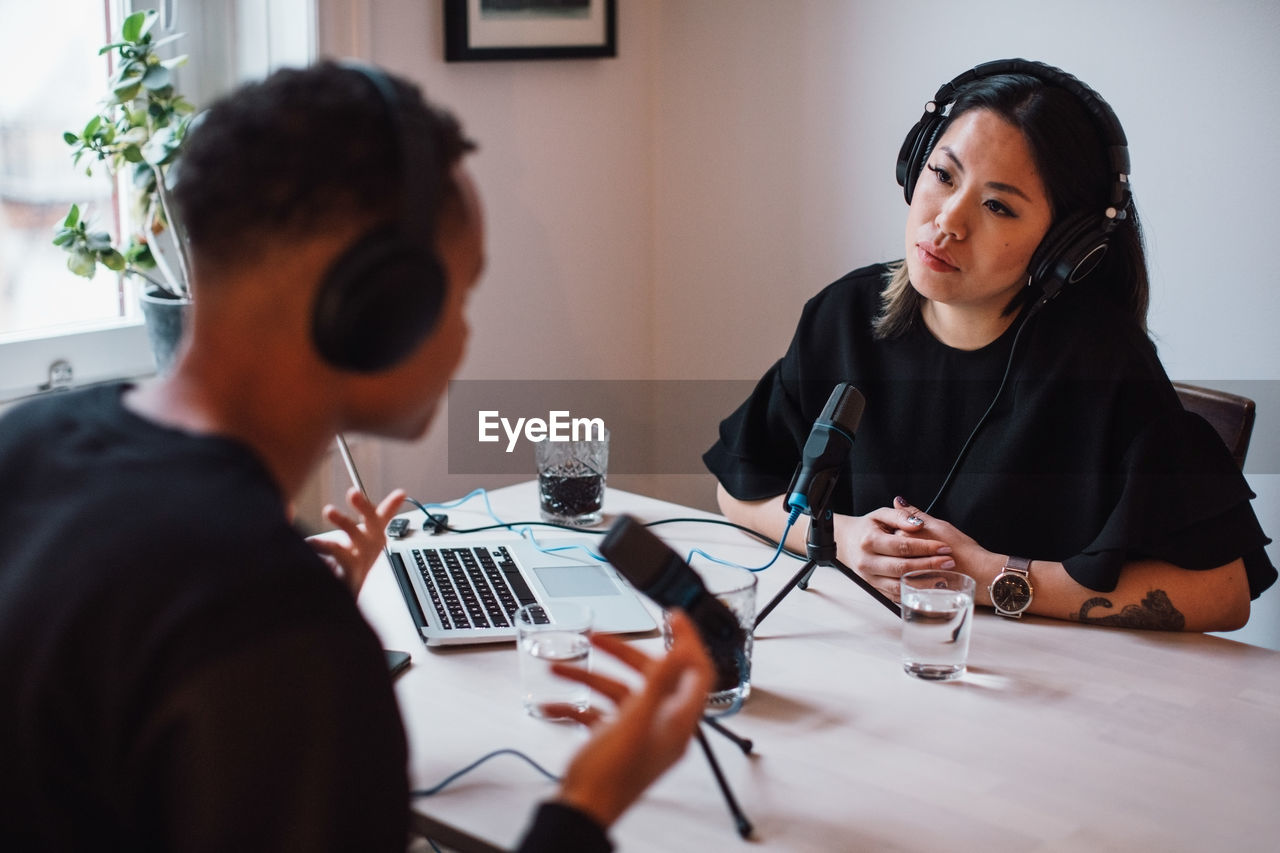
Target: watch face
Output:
[(1011, 593)]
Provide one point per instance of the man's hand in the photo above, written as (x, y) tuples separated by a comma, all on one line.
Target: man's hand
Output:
[(352, 560), (651, 728)]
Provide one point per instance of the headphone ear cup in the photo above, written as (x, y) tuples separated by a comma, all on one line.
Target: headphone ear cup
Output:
[(915, 150), (1069, 252), (379, 300)]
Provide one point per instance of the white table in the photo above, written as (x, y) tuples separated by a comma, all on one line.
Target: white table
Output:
[(1060, 737)]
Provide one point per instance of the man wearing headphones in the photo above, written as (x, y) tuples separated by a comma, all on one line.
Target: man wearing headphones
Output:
[(1011, 388), (181, 670)]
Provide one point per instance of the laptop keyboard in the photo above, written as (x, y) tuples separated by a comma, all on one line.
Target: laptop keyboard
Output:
[(475, 587)]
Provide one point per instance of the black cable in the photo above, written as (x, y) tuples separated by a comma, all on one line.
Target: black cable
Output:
[(1008, 367), (510, 524), (756, 534), (773, 543), (453, 777)]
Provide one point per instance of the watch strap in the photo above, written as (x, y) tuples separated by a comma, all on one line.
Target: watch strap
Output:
[(1021, 565)]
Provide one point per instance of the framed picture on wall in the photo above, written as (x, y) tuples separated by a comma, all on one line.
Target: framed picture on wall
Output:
[(529, 29)]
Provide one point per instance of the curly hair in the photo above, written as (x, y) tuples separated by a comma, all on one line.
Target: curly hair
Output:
[(302, 152)]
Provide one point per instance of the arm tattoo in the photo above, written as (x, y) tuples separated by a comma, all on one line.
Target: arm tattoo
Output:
[(1156, 613)]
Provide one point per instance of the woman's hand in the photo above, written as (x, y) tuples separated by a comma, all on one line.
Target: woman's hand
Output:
[(366, 536), (886, 543), (650, 729), (970, 557)]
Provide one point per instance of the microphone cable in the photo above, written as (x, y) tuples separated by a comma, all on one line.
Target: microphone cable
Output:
[(434, 525), (458, 774)]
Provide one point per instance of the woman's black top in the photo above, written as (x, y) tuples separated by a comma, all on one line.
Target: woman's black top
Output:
[(1087, 456)]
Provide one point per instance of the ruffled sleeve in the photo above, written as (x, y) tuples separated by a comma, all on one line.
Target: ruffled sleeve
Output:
[(1182, 501), (759, 445), (756, 453)]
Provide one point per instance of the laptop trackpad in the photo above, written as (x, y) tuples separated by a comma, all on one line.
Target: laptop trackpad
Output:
[(575, 581)]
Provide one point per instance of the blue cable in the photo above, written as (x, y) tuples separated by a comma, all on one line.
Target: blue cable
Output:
[(525, 532), (782, 541)]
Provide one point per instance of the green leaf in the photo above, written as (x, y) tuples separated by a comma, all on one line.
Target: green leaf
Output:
[(138, 254), (82, 264), (73, 217), (163, 146), (127, 91), (133, 26), (133, 154), (125, 85), (113, 260), (156, 77), (147, 23), (91, 127), (162, 42), (70, 138), (133, 136), (144, 178), (98, 241), (63, 237)]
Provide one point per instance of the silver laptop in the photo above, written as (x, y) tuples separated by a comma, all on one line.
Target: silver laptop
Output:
[(467, 590), (464, 591)]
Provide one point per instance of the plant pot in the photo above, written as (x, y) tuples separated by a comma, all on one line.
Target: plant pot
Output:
[(166, 317)]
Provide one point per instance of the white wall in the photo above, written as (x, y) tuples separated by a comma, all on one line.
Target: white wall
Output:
[(565, 172), (666, 213)]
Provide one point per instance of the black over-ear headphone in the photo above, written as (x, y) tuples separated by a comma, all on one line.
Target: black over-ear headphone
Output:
[(383, 294), (1074, 246)]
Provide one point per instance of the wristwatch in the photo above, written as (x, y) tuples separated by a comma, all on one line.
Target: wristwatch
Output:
[(1011, 590)]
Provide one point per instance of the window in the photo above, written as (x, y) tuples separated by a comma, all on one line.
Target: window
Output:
[(50, 56)]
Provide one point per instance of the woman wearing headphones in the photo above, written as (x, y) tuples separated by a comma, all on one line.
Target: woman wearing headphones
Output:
[(1018, 424)]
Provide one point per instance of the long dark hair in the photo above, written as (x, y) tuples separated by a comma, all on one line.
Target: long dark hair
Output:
[(1071, 157)]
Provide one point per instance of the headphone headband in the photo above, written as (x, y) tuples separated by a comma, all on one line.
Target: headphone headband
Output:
[(382, 296), (419, 186)]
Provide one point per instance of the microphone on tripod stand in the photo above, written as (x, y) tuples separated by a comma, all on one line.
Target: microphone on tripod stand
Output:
[(652, 567), (826, 450), (823, 457)]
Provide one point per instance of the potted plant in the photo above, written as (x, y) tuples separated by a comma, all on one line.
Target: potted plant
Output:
[(137, 135)]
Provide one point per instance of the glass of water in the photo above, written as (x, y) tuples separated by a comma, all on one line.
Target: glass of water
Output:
[(546, 635), (937, 615)]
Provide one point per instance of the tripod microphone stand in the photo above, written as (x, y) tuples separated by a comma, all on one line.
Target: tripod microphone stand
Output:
[(739, 818), (820, 547)]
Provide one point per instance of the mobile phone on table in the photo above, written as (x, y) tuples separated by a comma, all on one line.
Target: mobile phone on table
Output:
[(397, 662)]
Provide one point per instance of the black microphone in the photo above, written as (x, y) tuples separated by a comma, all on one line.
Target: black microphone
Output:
[(826, 450), (652, 567)]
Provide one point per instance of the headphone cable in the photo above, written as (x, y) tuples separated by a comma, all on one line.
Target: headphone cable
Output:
[(1008, 367)]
